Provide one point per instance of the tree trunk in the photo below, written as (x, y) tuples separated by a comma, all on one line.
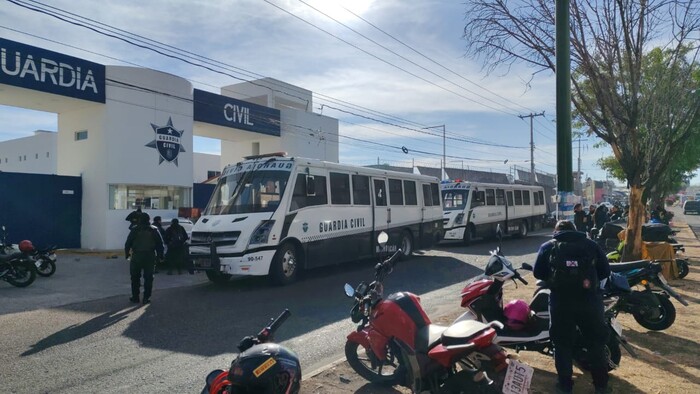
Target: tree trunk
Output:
[(637, 215)]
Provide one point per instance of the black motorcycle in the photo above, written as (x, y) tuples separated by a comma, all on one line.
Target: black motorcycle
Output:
[(17, 269), (650, 307), (45, 261)]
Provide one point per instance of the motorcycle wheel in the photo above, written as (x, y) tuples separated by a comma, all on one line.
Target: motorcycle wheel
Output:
[(612, 352), (665, 318), (366, 365), (24, 275), (683, 268), (46, 268)]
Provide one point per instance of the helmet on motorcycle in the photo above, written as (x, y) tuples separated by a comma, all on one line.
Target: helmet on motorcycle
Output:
[(265, 368), (26, 246), (517, 313)]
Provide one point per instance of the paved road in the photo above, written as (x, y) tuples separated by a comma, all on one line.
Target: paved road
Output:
[(77, 331)]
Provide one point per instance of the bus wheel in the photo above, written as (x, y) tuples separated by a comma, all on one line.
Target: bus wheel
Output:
[(522, 229), (406, 245), (285, 265), (468, 235)]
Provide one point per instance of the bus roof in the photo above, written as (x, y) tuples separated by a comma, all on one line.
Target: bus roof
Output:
[(459, 184), (303, 161)]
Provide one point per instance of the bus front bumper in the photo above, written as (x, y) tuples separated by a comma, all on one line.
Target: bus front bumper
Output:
[(255, 263), (454, 234)]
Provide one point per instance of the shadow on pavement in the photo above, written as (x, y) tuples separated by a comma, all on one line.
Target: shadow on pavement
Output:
[(662, 350), (78, 331)]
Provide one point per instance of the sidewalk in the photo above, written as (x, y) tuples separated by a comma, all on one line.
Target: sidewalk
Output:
[(84, 276)]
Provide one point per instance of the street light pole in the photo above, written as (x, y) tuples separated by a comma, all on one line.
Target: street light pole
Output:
[(532, 146), (444, 162)]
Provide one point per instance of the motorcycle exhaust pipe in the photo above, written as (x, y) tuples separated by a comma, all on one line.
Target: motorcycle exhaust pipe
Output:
[(669, 290)]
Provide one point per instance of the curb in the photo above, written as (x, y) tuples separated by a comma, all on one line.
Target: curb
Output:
[(321, 370)]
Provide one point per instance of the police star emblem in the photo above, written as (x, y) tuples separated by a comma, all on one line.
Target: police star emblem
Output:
[(167, 142)]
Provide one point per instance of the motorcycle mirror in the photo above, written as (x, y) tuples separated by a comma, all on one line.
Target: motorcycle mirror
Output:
[(349, 291), (526, 267), (382, 239)]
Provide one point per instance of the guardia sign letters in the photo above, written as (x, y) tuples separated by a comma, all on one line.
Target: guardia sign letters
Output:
[(34, 68)]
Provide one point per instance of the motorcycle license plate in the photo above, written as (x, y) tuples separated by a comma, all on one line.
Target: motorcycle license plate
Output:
[(616, 326), (518, 378)]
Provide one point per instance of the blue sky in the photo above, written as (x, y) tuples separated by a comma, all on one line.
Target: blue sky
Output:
[(277, 38)]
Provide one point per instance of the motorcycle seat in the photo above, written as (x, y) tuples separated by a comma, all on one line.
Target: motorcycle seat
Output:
[(463, 332), (12, 256), (630, 265), (428, 336), (541, 284)]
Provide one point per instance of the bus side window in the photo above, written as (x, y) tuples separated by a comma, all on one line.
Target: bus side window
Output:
[(301, 199), (526, 197), (478, 198)]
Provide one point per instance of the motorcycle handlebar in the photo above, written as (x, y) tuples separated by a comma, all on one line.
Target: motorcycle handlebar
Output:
[(275, 324), (520, 278)]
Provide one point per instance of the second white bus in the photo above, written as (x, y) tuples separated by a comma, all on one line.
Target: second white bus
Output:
[(473, 210), (276, 215)]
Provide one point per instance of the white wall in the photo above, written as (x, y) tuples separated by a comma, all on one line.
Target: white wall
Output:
[(203, 163), (38, 153)]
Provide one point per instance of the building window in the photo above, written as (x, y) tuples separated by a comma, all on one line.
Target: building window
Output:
[(211, 174), (256, 148), (148, 197), (81, 135)]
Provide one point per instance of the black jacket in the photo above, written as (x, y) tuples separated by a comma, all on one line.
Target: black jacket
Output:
[(132, 240)]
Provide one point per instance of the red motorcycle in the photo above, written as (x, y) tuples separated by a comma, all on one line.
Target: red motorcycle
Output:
[(396, 343)]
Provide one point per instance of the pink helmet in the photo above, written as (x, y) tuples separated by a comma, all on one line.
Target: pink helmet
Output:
[(517, 313)]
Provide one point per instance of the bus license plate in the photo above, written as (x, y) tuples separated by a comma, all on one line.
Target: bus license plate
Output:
[(616, 326), (203, 263), (518, 378)]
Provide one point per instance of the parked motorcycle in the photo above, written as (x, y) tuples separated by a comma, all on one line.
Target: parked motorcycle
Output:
[(44, 259), (396, 343), (18, 268), (261, 356), (483, 296), (683, 269), (650, 307)]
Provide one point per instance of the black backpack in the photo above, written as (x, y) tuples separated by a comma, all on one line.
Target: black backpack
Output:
[(572, 268), (143, 240)]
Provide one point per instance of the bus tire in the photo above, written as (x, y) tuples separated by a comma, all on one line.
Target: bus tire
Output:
[(468, 235), (285, 264), (522, 229), (406, 245)]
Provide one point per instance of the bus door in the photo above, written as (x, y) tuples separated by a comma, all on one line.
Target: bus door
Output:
[(502, 205), (510, 212), (381, 212)]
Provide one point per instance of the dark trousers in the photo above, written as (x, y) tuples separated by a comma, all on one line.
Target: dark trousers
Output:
[(586, 313), (142, 262), (176, 257)]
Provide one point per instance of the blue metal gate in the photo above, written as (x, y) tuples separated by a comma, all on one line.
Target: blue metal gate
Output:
[(45, 209)]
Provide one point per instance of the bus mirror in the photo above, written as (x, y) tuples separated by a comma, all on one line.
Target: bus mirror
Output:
[(382, 239), (310, 186)]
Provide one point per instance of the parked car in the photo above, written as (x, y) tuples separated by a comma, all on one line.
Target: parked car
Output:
[(691, 206)]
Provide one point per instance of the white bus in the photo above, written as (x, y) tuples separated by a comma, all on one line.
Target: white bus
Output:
[(473, 210), (276, 215)]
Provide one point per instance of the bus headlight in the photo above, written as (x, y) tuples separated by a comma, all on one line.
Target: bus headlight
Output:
[(459, 218), (262, 232)]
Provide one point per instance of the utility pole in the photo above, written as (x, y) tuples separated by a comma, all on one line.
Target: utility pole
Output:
[(579, 186), (444, 161), (532, 146)]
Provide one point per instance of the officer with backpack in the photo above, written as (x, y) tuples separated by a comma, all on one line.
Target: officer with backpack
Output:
[(143, 245), (572, 265)]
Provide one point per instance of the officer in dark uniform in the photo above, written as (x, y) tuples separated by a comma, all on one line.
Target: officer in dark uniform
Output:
[(580, 307), (144, 245)]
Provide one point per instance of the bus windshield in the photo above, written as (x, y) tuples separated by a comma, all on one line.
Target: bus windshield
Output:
[(454, 199), (248, 191)]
